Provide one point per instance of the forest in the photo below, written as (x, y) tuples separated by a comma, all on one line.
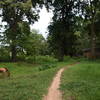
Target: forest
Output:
[(74, 27), (33, 60)]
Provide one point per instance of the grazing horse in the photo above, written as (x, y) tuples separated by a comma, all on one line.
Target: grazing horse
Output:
[(5, 72)]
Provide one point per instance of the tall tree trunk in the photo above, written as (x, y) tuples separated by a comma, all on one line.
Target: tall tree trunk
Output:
[(60, 54), (93, 41), (13, 53), (13, 45), (93, 35)]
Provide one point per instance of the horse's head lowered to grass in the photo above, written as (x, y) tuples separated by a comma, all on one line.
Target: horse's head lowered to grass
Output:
[(4, 72)]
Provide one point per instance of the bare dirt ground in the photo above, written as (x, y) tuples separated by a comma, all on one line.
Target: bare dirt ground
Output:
[(53, 92)]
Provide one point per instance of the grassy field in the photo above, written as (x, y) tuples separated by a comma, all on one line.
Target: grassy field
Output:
[(27, 82), (82, 81)]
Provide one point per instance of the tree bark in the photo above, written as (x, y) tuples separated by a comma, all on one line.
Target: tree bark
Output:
[(93, 41), (60, 54), (13, 44), (13, 53)]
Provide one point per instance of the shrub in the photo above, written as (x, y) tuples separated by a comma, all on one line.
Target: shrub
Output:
[(45, 59), (4, 58), (47, 66), (66, 58), (21, 57), (41, 59), (30, 59)]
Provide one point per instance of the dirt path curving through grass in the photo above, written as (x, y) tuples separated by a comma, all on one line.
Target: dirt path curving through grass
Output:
[(53, 91)]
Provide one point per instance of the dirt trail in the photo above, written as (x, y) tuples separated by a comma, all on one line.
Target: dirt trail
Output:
[(53, 91)]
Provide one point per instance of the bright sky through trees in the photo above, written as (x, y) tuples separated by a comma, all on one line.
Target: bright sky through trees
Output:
[(43, 22)]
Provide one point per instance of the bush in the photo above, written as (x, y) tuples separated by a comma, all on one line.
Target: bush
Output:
[(30, 59), (21, 57), (66, 58), (47, 66), (45, 59), (41, 59), (4, 58)]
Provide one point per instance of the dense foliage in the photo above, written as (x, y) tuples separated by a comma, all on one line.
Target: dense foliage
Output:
[(74, 26), (61, 31), (18, 15)]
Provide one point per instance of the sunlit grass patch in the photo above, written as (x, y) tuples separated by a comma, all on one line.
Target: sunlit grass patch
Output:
[(27, 82), (82, 81)]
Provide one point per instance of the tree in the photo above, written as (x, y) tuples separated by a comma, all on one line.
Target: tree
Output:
[(65, 23), (34, 45), (61, 31), (18, 14), (91, 10)]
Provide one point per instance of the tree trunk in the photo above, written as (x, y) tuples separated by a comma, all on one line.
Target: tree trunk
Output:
[(13, 53), (60, 54), (13, 44), (93, 41)]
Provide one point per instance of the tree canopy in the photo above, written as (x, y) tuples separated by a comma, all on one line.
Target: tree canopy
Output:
[(74, 20), (18, 14), (74, 26)]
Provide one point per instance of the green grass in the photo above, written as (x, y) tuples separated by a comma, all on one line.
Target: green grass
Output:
[(82, 81), (27, 82)]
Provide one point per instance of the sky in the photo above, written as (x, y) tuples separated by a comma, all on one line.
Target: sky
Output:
[(43, 22)]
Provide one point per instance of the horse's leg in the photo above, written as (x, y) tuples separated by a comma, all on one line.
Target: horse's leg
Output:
[(8, 73)]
